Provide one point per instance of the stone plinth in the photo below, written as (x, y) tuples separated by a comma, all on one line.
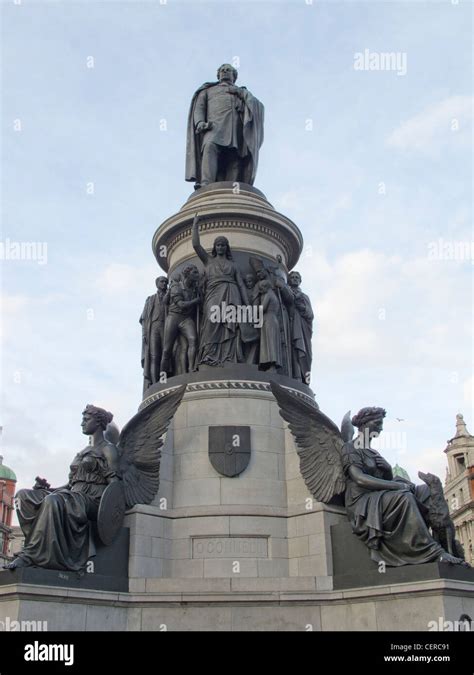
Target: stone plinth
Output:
[(353, 567), (106, 571), (261, 523)]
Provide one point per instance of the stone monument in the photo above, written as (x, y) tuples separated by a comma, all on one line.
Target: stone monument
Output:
[(237, 537)]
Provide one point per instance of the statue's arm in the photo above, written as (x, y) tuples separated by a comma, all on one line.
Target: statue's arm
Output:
[(142, 315), (287, 297), (367, 482), (303, 305), (61, 487), (200, 250), (242, 92), (200, 109), (185, 304), (286, 293), (248, 100), (308, 313)]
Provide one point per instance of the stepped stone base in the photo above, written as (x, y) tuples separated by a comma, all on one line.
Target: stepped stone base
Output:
[(240, 604)]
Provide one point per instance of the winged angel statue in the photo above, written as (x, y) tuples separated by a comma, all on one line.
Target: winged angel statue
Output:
[(112, 474), (391, 516)]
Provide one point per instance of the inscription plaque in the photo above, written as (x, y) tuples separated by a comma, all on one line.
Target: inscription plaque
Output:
[(230, 547)]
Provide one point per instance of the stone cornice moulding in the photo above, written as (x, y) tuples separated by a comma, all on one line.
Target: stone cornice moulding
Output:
[(222, 209), (220, 385)]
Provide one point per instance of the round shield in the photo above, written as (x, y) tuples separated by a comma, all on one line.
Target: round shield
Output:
[(111, 512)]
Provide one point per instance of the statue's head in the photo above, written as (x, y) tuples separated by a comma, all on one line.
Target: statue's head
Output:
[(227, 73), (249, 281), (294, 279), (370, 419), (161, 283), (265, 285), (191, 273), (262, 273), (94, 418), (221, 247)]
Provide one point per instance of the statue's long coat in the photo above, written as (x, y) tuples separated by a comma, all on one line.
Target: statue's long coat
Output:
[(252, 121)]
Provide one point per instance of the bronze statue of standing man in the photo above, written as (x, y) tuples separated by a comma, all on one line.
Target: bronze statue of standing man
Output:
[(153, 328), (301, 329), (225, 132)]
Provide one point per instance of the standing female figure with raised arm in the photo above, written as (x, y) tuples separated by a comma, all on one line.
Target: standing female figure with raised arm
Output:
[(219, 341)]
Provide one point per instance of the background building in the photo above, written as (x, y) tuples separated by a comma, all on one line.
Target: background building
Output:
[(459, 487), (7, 493), (400, 471)]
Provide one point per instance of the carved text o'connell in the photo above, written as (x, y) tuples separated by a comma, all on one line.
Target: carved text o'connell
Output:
[(230, 547)]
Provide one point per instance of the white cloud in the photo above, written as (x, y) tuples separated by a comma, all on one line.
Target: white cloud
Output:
[(440, 123), (10, 306), (348, 296), (370, 306), (469, 394), (119, 278), (432, 460), (12, 303)]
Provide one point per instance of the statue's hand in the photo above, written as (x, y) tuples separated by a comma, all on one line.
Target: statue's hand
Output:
[(299, 300), (201, 127), (404, 483), (232, 89)]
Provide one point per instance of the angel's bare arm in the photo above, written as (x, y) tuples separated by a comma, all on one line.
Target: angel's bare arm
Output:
[(200, 250), (185, 304), (363, 480)]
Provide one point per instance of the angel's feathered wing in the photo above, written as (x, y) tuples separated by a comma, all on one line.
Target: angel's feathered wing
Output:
[(347, 428), (140, 445), (318, 443)]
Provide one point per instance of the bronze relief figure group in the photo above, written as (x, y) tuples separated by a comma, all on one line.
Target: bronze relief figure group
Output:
[(221, 316)]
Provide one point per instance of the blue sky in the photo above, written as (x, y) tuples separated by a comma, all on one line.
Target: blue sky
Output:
[(372, 166)]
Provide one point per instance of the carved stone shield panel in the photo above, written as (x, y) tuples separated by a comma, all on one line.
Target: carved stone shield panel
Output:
[(229, 449)]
